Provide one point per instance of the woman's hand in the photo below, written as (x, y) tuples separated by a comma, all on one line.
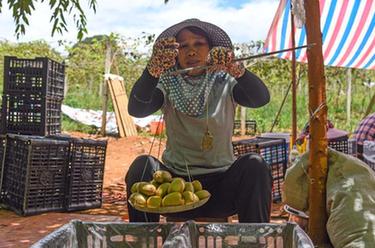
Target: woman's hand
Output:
[(163, 56), (221, 59)]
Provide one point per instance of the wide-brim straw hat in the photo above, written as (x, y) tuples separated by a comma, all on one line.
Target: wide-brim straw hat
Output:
[(217, 36)]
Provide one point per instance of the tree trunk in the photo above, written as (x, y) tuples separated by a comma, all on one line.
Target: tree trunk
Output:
[(294, 87), (349, 96), (107, 70), (318, 137)]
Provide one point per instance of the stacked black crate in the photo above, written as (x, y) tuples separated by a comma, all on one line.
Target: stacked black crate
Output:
[(34, 168), (42, 173), (32, 96)]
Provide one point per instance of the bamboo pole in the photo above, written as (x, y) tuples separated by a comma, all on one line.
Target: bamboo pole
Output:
[(294, 89), (318, 166)]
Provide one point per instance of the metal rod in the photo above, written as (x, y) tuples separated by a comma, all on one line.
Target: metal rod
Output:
[(201, 67)]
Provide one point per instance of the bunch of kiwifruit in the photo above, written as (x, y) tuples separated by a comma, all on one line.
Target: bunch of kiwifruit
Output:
[(165, 191)]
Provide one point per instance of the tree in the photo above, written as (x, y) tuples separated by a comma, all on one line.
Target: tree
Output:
[(22, 10), (85, 63)]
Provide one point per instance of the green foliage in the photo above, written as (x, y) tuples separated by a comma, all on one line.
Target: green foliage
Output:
[(22, 10)]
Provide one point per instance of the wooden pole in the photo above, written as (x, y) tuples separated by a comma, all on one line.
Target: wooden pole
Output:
[(348, 95), (107, 70), (318, 121), (294, 89), (243, 120)]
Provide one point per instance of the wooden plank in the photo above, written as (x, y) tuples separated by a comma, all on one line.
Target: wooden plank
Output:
[(119, 103), (120, 99), (120, 126)]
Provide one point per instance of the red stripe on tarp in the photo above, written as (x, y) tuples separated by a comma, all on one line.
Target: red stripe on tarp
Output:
[(366, 55), (272, 34), (338, 25), (357, 32)]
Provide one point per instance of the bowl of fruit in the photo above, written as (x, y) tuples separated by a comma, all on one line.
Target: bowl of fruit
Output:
[(167, 194)]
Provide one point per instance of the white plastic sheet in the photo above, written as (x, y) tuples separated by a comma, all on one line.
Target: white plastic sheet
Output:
[(94, 118)]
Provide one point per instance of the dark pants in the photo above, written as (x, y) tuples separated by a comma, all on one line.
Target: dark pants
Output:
[(244, 189)]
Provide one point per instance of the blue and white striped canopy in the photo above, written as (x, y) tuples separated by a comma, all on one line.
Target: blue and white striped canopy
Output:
[(348, 28)]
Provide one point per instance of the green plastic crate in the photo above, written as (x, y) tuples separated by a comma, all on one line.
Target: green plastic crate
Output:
[(168, 235)]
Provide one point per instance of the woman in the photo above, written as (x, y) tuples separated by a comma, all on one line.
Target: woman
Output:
[(199, 111)]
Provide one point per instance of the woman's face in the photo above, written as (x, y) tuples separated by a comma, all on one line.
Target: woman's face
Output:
[(192, 51)]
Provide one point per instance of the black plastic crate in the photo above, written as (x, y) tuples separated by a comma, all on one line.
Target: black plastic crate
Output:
[(35, 170), (35, 76), (250, 127), (2, 148), (273, 152), (340, 144), (31, 114), (85, 173)]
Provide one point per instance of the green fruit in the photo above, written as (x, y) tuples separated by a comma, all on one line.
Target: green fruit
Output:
[(162, 176), (134, 188), (147, 189), (197, 185), (202, 194), (172, 199), (189, 187), (138, 199), (162, 189), (156, 184), (177, 185), (153, 202), (141, 184), (189, 197)]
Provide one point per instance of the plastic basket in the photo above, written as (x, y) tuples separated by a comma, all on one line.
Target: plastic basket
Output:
[(250, 127), (273, 151), (369, 153), (94, 234), (85, 173), (31, 114), (352, 147), (35, 76), (2, 148), (168, 235), (340, 144), (34, 174), (157, 127)]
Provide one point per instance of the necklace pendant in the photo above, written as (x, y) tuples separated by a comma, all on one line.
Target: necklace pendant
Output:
[(207, 141)]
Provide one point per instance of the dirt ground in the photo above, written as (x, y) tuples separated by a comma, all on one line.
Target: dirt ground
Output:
[(17, 231)]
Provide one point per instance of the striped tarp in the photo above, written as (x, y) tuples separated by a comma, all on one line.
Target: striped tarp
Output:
[(348, 28)]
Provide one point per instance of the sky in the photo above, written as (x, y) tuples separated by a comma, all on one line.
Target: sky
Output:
[(242, 20)]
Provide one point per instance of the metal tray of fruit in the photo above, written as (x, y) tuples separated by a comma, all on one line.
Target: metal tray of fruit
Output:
[(171, 209)]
